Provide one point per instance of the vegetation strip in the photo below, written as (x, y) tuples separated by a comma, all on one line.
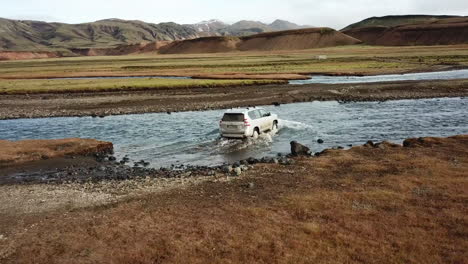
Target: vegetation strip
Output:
[(109, 85)]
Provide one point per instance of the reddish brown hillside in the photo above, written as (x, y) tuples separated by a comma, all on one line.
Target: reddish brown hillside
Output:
[(122, 49), (282, 40), (297, 39), (441, 32), (202, 45)]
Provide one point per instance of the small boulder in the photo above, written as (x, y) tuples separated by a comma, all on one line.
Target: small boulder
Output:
[(244, 167), (252, 160), (238, 171), (244, 162), (227, 169), (320, 141), (298, 149)]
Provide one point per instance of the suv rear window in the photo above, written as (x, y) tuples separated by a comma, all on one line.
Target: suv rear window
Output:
[(233, 117)]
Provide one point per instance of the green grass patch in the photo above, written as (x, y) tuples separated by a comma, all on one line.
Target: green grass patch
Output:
[(360, 58), (108, 85)]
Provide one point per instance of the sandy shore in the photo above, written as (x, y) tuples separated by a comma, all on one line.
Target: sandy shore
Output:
[(373, 203), (187, 99)]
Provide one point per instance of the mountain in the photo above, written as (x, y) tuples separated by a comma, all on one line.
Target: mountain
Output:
[(209, 26), (37, 35), (242, 28), (279, 25), (245, 28), (447, 31), (391, 21), (26, 35)]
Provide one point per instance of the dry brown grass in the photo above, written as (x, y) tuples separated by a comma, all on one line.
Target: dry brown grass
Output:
[(17, 152), (365, 205)]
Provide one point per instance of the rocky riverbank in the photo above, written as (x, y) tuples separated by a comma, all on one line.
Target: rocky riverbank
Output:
[(191, 99), (103, 166)]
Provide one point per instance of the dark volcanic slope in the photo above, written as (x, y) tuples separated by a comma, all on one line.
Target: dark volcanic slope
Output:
[(391, 21), (449, 31), (36, 35)]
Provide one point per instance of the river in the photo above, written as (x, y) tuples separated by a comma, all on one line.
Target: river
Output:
[(193, 137)]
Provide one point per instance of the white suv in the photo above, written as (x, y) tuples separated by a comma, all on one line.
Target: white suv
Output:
[(250, 122)]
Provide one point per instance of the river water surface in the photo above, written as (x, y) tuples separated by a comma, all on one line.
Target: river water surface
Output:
[(193, 137), (421, 76)]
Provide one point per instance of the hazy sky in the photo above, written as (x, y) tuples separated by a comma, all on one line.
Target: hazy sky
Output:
[(332, 13)]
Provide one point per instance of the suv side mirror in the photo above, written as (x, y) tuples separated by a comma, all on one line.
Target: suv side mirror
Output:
[(268, 114)]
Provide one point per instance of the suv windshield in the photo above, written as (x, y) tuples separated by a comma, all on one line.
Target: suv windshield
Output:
[(233, 117)]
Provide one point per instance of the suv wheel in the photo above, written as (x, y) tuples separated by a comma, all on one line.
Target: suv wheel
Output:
[(255, 134), (275, 126)]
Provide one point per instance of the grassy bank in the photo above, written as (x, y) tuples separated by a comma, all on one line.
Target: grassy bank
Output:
[(102, 85), (349, 59), (372, 204), (24, 151)]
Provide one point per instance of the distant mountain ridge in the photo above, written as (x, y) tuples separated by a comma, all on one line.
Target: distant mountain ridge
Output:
[(27, 35), (216, 27)]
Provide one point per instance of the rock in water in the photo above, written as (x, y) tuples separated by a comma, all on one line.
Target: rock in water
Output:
[(298, 149)]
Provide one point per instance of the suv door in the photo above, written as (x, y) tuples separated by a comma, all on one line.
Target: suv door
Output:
[(266, 122), (255, 117)]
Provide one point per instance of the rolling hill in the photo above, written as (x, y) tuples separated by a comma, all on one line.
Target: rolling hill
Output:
[(446, 31), (280, 40), (391, 21)]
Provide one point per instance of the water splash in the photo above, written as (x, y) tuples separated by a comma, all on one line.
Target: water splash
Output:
[(294, 125)]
